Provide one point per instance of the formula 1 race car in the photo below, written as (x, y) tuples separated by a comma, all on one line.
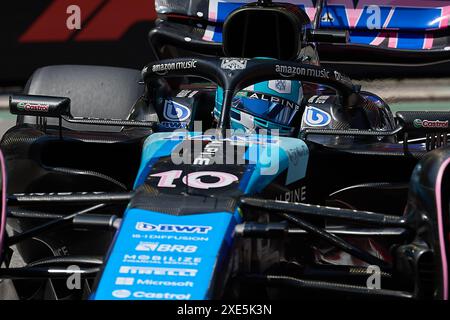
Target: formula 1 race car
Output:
[(240, 170)]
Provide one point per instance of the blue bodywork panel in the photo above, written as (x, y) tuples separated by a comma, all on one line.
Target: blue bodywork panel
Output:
[(159, 256), (162, 256)]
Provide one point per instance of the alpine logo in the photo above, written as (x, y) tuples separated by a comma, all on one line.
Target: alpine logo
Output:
[(174, 111), (419, 123), (144, 226), (315, 117)]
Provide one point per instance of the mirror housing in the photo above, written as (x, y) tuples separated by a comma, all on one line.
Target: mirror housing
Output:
[(41, 106)]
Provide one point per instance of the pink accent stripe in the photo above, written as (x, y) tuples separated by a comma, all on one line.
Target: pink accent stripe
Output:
[(445, 17), (378, 39), (213, 8), (441, 225), (209, 33), (393, 40), (353, 16), (428, 42)]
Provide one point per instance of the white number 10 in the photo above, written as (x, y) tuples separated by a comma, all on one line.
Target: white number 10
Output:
[(193, 179)]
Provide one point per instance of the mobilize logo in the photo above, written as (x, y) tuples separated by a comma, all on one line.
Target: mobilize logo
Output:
[(162, 259), (158, 247), (177, 272), (28, 106), (123, 294), (144, 226), (419, 123)]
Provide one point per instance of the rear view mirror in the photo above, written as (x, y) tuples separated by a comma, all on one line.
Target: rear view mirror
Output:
[(41, 106), (425, 121), (264, 30)]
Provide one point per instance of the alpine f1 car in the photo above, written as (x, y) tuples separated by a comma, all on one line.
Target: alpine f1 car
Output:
[(240, 170)]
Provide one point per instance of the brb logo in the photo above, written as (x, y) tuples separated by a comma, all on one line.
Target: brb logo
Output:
[(144, 226), (316, 117)]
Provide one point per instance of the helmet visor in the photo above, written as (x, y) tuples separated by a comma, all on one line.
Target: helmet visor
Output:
[(269, 108)]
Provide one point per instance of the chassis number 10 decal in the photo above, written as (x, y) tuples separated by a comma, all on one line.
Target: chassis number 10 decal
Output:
[(194, 179)]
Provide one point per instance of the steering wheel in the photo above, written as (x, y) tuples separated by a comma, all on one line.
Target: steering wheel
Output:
[(235, 74)]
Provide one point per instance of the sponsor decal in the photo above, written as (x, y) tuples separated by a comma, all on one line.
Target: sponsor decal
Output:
[(128, 281), (316, 117), (33, 107), (164, 68), (168, 263), (296, 195), (125, 281), (150, 282), (419, 123), (290, 71), (161, 296), (318, 99), (281, 101), (148, 227), (158, 247), (157, 259), (207, 156), (123, 294), (233, 64), (170, 237), (157, 271), (173, 125), (174, 111), (186, 93), (281, 86)]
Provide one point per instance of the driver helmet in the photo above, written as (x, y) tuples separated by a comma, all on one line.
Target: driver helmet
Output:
[(269, 105)]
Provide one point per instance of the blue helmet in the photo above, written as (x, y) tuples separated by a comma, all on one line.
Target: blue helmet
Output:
[(269, 105)]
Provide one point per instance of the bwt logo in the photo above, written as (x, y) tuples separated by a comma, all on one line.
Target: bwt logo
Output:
[(144, 226)]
